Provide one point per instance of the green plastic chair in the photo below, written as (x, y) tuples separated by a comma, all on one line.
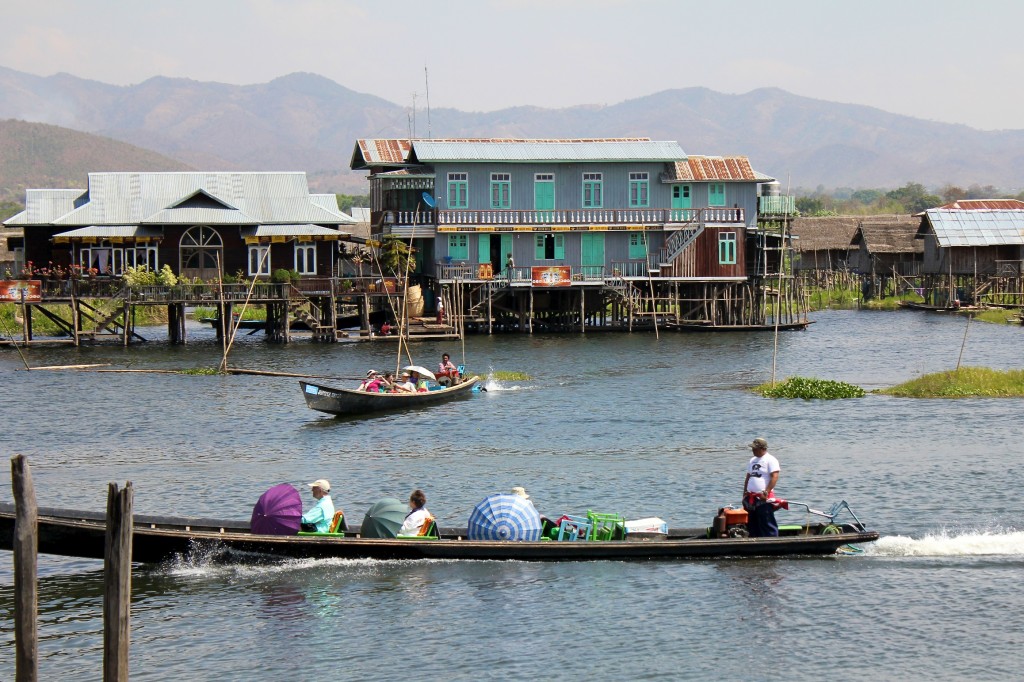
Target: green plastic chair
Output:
[(606, 526)]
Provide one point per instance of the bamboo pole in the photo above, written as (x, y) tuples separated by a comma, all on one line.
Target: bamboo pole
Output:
[(26, 598), (117, 594)]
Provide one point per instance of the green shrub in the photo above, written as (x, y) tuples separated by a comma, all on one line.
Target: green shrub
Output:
[(810, 389), (166, 276), (283, 276), (140, 276)]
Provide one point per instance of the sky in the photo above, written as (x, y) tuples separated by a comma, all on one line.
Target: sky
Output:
[(955, 62)]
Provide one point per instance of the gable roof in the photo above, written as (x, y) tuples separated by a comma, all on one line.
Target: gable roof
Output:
[(544, 150), (727, 168), (825, 233), (957, 227), (43, 206), (172, 198), (890, 236)]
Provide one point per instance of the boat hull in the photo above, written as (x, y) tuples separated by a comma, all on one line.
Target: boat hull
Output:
[(158, 539), (343, 401)]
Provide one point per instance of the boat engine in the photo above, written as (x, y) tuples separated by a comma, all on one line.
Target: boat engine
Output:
[(730, 523)]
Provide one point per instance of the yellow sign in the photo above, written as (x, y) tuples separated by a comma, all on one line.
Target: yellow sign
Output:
[(447, 228)]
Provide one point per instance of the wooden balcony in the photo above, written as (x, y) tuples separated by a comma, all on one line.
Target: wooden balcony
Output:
[(585, 216), (777, 205)]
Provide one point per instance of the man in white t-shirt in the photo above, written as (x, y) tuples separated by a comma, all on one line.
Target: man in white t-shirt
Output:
[(759, 489)]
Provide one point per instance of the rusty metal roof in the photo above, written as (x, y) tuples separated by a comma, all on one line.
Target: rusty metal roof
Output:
[(957, 227), (727, 168), (376, 152), (982, 204)]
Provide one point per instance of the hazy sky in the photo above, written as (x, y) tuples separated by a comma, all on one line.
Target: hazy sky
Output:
[(958, 62)]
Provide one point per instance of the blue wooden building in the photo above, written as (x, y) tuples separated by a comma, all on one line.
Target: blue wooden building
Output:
[(540, 224)]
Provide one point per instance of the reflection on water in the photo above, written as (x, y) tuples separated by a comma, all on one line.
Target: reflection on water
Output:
[(610, 422)]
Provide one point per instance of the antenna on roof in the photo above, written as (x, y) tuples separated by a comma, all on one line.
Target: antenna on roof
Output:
[(412, 125), (426, 82)]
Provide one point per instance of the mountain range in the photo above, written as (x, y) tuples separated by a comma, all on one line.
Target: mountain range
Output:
[(303, 121)]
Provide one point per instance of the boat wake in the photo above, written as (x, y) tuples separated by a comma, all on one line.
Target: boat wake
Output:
[(946, 544), (490, 385)]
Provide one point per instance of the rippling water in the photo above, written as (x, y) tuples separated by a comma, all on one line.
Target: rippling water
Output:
[(610, 422)]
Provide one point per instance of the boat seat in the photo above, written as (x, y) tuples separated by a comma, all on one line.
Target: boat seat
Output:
[(573, 528), (337, 526), (428, 531)]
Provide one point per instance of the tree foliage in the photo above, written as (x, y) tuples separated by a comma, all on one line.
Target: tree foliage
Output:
[(347, 201), (913, 197)]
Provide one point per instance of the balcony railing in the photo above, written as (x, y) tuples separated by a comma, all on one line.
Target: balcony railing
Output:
[(585, 216), (777, 205)]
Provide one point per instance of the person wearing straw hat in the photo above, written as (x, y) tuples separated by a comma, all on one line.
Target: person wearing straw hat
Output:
[(520, 491), (759, 490), (318, 519)]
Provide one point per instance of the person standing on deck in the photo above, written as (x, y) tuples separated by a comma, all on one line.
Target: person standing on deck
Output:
[(440, 310), (318, 519), (510, 266), (759, 490)]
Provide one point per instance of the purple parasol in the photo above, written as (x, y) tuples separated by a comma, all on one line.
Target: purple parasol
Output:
[(277, 512)]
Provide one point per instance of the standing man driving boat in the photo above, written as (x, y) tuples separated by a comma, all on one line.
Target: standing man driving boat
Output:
[(759, 490), (318, 519)]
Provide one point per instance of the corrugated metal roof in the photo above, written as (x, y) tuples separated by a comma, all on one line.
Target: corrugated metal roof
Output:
[(977, 227), (125, 198), (376, 152), (106, 231), (727, 168), (513, 150), (329, 202), (43, 206), (360, 214), (983, 204), (292, 231)]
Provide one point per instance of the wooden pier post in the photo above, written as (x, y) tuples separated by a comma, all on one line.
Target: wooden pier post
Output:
[(26, 599), (117, 593)]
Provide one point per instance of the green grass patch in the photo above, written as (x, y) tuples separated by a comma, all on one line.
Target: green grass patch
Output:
[(510, 376), (810, 389), (200, 371), (966, 382), (993, 315)]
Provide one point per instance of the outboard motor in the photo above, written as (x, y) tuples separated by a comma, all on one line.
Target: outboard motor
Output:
[(730, 523)]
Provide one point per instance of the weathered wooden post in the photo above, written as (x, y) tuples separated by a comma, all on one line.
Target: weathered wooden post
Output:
[(117, 593), (26, 545)]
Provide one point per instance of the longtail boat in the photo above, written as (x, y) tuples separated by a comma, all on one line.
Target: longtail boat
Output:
[(345, 401), (161, 538)]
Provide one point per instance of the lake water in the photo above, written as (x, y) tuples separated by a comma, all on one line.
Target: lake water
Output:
[(609, 422)]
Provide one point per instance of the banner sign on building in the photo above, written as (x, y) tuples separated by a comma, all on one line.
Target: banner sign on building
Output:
[(484, 271), (18, 290), (551, 275)]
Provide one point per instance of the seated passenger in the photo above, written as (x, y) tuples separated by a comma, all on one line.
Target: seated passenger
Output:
[(370, 375), (448, 373), (406, 385), (420, 382), (385, 329), (375, 384), (318, 519), (417, 516), (387, 384)]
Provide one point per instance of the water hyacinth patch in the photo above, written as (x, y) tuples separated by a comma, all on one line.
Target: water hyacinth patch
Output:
[(810, 389)]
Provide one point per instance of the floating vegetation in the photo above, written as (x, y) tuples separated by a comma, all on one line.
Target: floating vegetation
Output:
[(966, 382), (510, 376), (202, 371), (810, 389)]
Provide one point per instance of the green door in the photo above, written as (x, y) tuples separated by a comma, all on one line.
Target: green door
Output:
[(592, 254), (544, 197), (483, 248), (680, 199)]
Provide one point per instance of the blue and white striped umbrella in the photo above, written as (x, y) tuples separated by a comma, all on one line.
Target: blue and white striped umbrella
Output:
[(504, 517)]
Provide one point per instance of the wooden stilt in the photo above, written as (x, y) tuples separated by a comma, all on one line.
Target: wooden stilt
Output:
[(117, 593), (26, 598)]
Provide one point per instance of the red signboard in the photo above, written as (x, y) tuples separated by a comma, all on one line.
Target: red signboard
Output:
[(18, 290), (551, 275)]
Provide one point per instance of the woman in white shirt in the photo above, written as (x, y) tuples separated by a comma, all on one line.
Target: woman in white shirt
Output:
[(418, 514)]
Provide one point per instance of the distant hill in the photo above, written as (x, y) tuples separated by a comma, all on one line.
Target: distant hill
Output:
[(35, 155), (306, 122)]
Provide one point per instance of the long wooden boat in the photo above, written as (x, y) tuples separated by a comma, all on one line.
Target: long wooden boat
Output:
[(157, 539), (344, 401)]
